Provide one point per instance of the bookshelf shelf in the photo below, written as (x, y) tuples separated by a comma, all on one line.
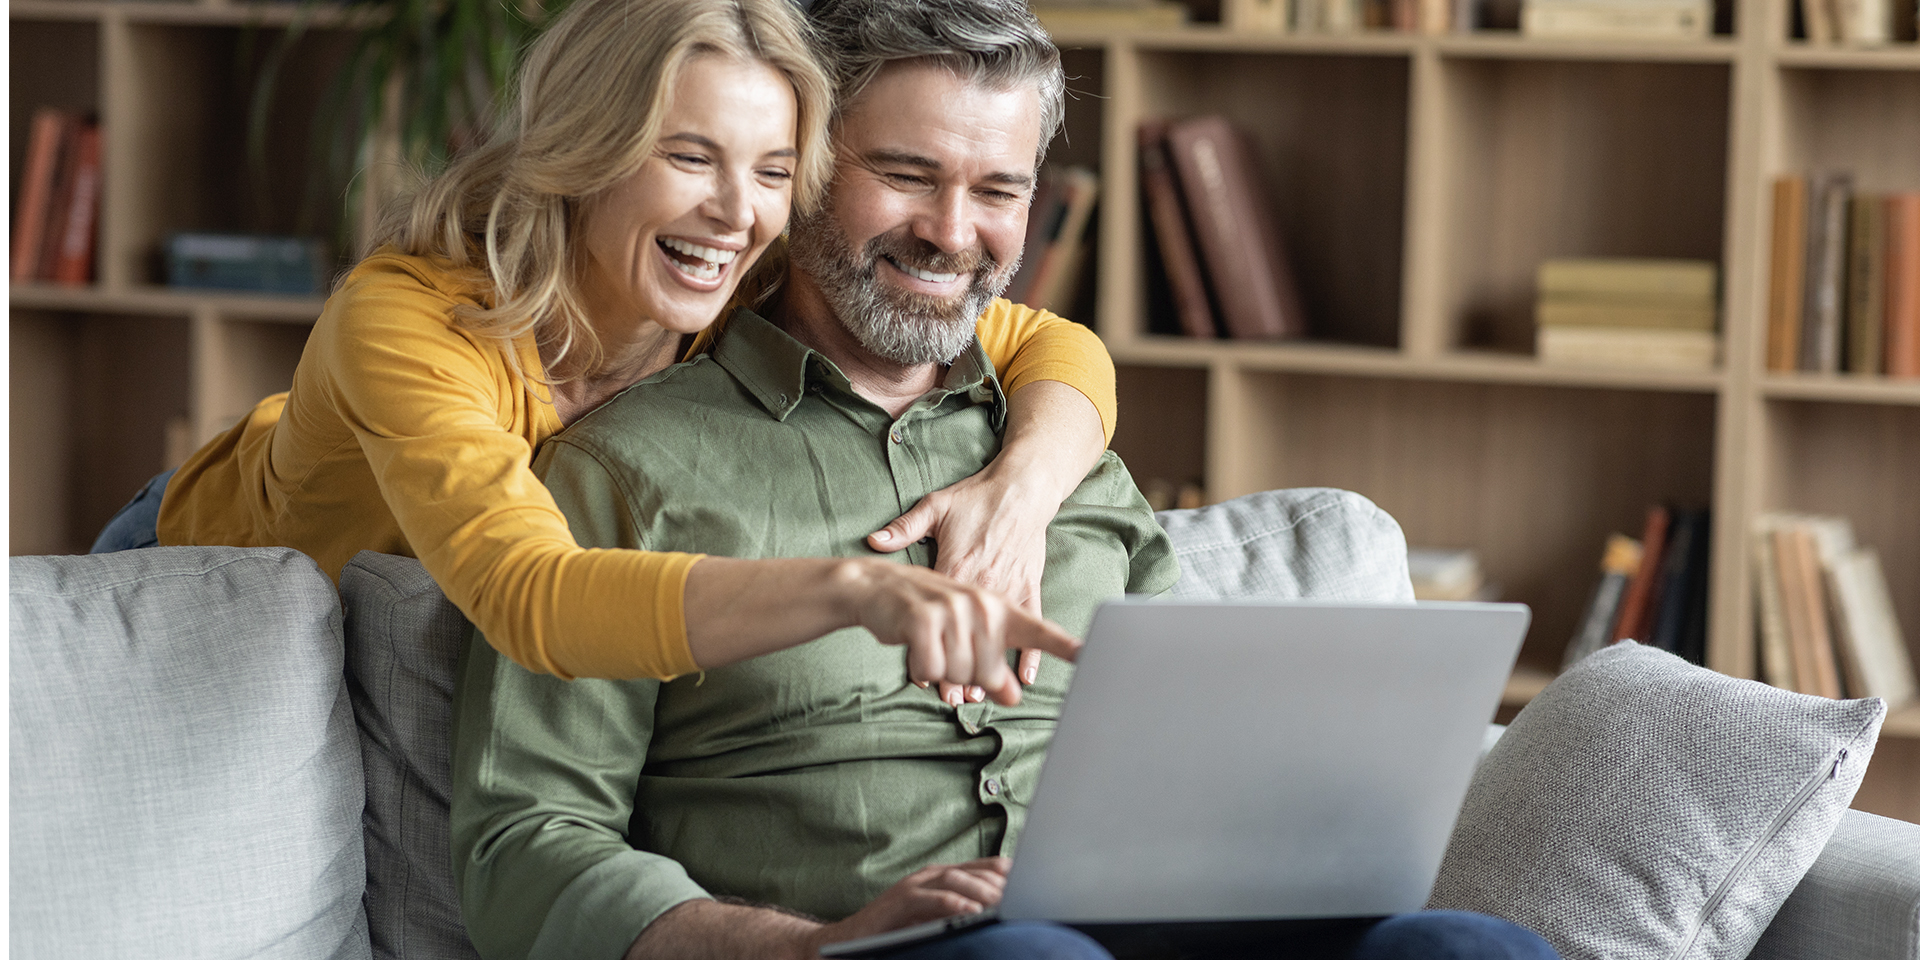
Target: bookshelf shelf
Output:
[(194, 14), (1902, 57), (163, 301), (1512, 46), (1845, 388)]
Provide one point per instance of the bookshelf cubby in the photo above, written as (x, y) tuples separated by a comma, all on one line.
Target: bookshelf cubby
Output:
[(1418, 180)]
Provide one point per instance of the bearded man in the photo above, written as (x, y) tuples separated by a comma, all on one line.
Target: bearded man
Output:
[(816, 794)]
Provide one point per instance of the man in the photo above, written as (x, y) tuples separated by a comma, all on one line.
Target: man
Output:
[(705, 816)]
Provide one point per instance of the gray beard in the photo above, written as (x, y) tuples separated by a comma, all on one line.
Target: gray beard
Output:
[(893, 324)]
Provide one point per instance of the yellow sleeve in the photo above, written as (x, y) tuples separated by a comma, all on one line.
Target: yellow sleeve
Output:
[(446, 431), (1026, 345)]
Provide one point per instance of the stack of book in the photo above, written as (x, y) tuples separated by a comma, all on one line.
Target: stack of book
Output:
[(1214, 227), (1653, 590), (1440, 574), (1640, 313), (59, 201), (1055, 255), (296, 266), (1826, 624), (1844, 294), (1617, 19)]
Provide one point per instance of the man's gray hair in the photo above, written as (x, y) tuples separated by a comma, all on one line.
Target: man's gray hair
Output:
[(996, 43)]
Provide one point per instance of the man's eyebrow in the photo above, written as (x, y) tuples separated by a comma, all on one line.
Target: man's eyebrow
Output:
[(906, 158), (700, 141)]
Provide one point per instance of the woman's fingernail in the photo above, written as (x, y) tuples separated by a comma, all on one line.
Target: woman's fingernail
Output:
[(976, 694), (883, 536), (953, 696), (1032, 673)]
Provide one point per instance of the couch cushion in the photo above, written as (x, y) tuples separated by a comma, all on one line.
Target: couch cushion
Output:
[(1860, 900), (403, 640), (185, 772), (1643, 807), (1311, 543)]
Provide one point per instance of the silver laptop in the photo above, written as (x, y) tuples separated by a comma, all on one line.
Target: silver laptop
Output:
[(1253, 761)]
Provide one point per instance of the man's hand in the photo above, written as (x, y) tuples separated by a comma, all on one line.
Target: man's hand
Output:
[(931, 893), (710, 930)]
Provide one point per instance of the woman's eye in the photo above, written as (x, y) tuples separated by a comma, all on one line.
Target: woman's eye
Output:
[(776, 173), (689, 159)]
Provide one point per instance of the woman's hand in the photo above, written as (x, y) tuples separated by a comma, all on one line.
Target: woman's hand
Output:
[(991, 532), (954, 632), (991, 528)]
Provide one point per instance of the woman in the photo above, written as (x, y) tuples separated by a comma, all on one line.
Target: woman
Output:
[(656, 148)]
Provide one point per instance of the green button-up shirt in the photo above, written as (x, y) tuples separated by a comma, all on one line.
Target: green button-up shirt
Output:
[(813, 778)]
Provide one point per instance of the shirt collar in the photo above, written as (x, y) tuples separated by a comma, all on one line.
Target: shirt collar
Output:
[(776, 368)]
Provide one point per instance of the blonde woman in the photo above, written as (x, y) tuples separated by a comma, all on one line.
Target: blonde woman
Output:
[(654, 152)]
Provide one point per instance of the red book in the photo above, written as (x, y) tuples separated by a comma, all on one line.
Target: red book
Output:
[(74, 264), (1636, 610), (36, 190), (1169, 218), (1234, 228), (1903, 285)]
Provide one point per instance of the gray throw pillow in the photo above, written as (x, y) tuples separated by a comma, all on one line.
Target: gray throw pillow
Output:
[(1309, 543), (403, 641), (185, 771), (1642, 807)]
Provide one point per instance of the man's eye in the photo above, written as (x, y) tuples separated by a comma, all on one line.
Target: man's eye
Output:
[(905, 179)]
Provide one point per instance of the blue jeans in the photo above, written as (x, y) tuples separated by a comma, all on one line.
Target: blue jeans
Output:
[(1427, 935), (133, 527)]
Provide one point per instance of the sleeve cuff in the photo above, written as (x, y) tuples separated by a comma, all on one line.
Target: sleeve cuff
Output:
[(603, 910)]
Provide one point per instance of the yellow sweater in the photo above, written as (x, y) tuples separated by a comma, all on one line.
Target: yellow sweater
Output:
[(405, 434)]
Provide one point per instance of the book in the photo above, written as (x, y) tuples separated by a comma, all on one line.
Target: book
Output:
[(1065, 254), (1866, 284), (1618, 562), (1444, 574), (1679, 282), (1873, 652), (1776, 650), (1685, 552), (60, 198), (45, 138), (1629, 347), (1820, 335), (1617, 19), (1787, 282), (73, 255), (1255, 16), (1044, 216), (1817, 17), (1803, 601), (1239, 243), (1902, 335), (287, 265), (1640, 597), (1167, 213), (1625, 313), (1862, 22)]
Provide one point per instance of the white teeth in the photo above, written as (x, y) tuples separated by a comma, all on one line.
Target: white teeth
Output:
[(926, 275), (711, 260)]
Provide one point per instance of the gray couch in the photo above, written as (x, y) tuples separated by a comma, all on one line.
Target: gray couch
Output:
[(215, 754)]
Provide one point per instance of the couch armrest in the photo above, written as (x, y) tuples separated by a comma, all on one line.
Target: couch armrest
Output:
[(1861, 899)]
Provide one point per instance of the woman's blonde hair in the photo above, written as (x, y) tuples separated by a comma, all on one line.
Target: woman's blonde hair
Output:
[(587, 111)]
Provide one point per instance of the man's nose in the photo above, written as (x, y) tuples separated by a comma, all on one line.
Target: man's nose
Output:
[(947, 222)]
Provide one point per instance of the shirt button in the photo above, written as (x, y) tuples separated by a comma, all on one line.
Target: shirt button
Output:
[(897, 437), (783, 399), (993, 788)]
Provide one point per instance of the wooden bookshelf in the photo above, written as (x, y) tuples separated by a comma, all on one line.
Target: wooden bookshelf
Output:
[(1419, 180)]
